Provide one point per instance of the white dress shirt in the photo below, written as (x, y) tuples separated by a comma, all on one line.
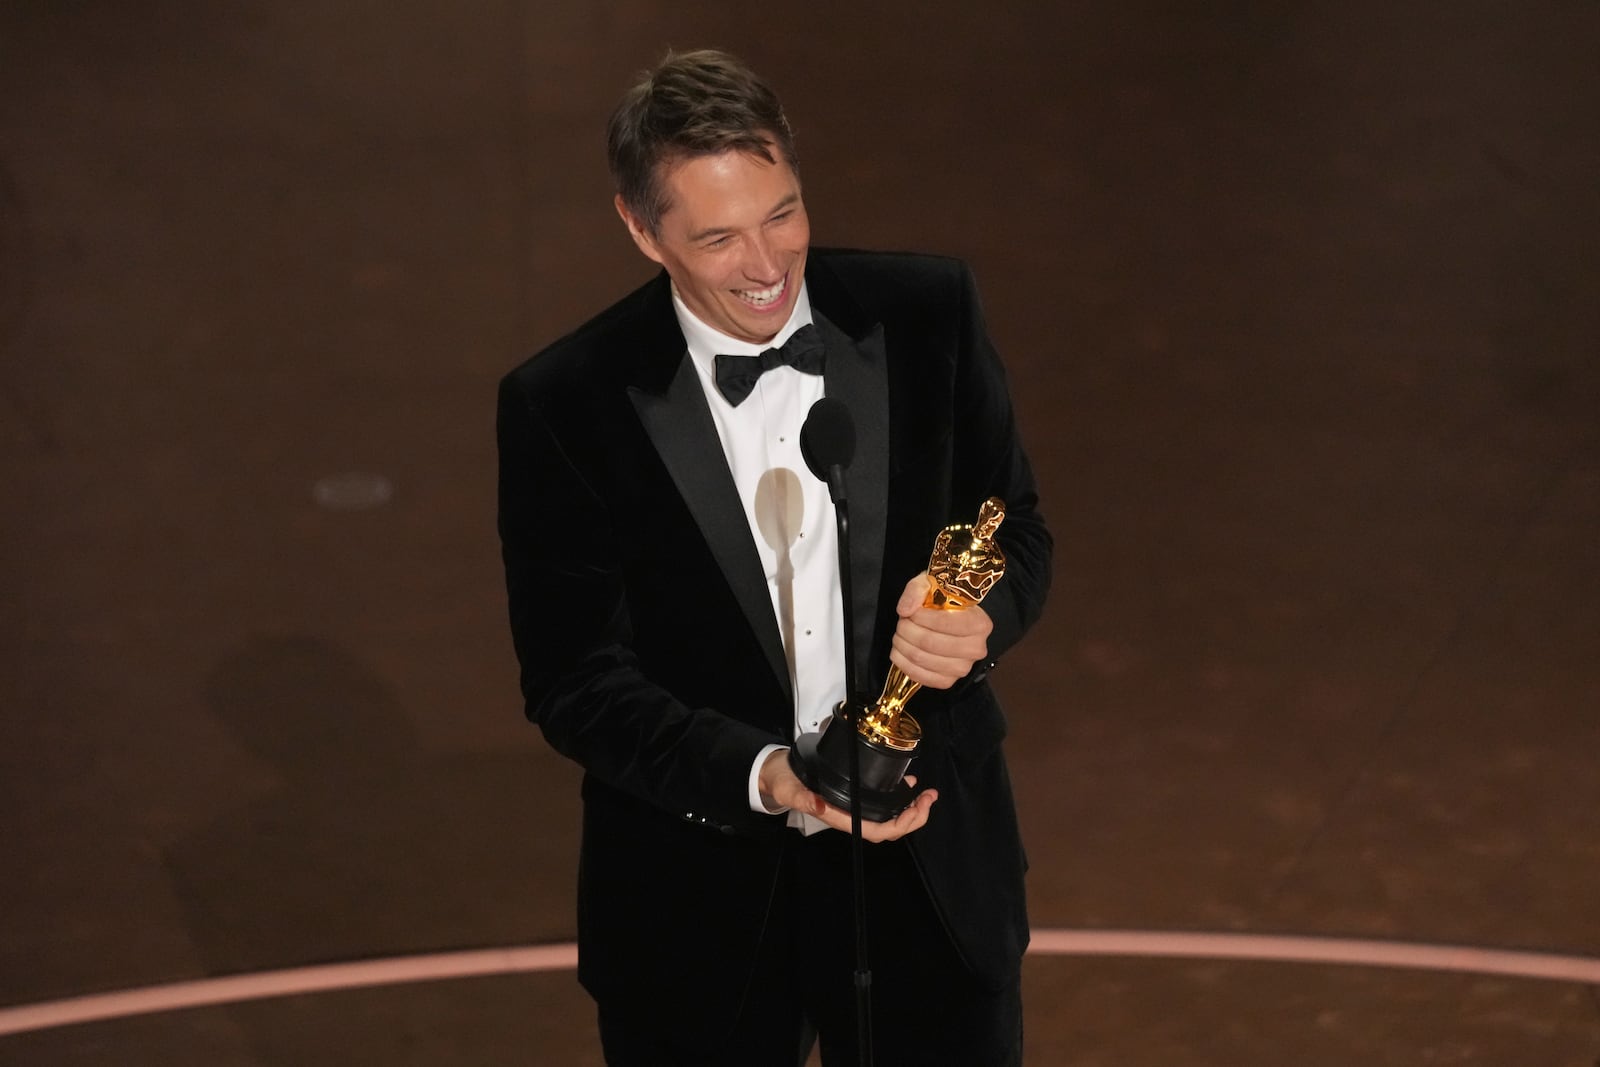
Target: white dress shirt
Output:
[(790, 514)]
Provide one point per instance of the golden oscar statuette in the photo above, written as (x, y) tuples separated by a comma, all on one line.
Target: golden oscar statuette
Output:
[(965, 565)]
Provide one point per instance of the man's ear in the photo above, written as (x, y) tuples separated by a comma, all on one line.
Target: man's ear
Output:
[(637, 231)]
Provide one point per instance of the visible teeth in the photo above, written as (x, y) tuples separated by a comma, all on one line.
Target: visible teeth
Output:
[(763, 297)]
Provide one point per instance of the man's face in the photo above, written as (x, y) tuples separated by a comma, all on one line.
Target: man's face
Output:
[(733, 239)]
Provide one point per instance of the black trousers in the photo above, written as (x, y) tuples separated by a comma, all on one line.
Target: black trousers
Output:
[(927, 1008)]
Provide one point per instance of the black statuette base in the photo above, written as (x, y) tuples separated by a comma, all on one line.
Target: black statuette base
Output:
[(822, 762)]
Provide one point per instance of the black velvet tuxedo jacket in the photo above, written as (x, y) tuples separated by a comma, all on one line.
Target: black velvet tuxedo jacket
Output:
[(646, 637)]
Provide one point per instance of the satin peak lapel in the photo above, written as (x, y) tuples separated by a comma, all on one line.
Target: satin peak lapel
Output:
[(679, 424), (857, 374)]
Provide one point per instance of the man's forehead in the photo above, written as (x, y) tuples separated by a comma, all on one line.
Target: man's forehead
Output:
[(732, 180)]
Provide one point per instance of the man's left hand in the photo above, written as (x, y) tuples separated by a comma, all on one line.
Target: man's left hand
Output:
[(937, 646)]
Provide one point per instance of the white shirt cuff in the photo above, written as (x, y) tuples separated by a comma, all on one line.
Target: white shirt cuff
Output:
[(757, 804)]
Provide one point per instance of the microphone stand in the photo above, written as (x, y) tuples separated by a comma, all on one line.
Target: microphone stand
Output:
[(828, 441), (854, 702)]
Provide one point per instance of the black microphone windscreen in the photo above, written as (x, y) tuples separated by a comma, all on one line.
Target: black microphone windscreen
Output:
[(828, 438)]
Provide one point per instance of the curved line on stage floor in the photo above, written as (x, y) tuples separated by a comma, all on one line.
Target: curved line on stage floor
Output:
[(1353, 952)]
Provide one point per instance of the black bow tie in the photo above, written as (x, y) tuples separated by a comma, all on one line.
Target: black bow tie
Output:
[(737, 375)]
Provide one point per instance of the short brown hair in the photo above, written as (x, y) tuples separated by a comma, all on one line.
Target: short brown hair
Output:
[(692, 104)]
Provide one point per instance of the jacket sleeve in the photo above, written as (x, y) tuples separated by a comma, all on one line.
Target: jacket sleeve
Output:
[(990, 461), (581, 679)]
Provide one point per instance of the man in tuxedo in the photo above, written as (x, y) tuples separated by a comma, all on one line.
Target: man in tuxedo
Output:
[(675, 604)]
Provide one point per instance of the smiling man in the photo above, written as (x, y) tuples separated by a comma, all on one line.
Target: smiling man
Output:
[(675, 604), (733, 239)]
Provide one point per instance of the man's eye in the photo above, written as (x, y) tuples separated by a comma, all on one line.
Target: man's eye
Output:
[(718, 242)]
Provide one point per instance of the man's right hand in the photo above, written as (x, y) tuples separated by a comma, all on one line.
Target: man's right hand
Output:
[(778, 781)]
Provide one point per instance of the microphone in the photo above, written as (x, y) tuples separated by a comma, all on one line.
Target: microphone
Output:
[(828, 443)]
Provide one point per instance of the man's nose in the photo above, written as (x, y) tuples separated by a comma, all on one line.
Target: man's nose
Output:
[(762, 260)]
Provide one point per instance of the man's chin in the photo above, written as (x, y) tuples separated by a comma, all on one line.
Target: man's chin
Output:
[(757, 329)]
